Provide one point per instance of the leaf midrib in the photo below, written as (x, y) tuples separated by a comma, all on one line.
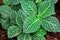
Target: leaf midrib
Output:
[(15, 30), (30, 7), (45, 10), (33, 23)]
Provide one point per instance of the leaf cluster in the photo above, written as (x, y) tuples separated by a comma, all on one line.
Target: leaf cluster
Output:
[(28, 19)]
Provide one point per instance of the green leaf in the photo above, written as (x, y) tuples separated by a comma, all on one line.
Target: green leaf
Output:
[(19, 21), (13, 17), (5, 11), (22, 14), (14, 31), (11, 2), (5, 24), (38, 37), (54, 1), (45, 9), (14, 2), (38, 1), (51, 24), (31, 24), (24, 37), (29, 7), (41, 32), (7, 2)]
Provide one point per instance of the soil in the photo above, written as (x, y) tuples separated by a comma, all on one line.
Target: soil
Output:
[(49, 36)]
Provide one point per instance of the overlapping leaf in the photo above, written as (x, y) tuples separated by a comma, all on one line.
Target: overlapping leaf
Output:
[(24, 37), (13, 17), (14, 31), (45, 9), (22, 14), (5, 11), (19, 21), (29, 7), (23, 18), (51, 24), (31, 24), (5, 24)]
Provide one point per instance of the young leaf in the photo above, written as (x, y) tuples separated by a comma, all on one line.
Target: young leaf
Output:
[(14, 31), (19, 21), (29, 7), (45, 9), (7, 2), (5, 24), (31, 24), (38, 37), (51, 24), (5, 11), (24, 37), (41, 32), (22, 14)]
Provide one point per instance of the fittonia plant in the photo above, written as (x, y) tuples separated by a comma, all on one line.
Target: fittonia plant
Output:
[(28, 19)]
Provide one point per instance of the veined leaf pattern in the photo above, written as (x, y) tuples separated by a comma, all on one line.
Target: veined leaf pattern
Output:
[(45, 9), (14, 31), (31, 24), (19, 20), (24, 37), (5, 24), (51, 24), (29, 7), (22, 14), (13, 17), (5, 11), (38, 37)]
